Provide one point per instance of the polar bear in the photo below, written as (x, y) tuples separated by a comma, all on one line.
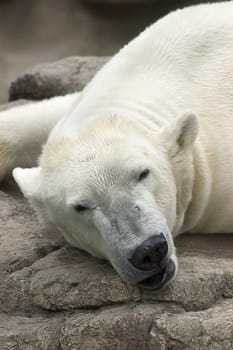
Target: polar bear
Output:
[(143, 153)]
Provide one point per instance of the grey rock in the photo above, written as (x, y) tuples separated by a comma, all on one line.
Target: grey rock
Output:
[(14, 293), (22, 239), (90, 283), (83, 282), (120, 328), (23, 333), (210, 329), (199, 283), (57, 78), (150, 326)]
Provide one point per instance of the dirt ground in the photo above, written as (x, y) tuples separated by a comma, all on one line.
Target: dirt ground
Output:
[(35, 31)]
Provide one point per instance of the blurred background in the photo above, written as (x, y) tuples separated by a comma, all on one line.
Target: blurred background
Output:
[(35, 31)]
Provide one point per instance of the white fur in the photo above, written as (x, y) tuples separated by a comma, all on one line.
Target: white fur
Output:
[(150, 98), (182, 62), (25, 129)]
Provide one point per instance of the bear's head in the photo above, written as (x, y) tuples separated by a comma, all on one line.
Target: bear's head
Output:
[(119, 192)]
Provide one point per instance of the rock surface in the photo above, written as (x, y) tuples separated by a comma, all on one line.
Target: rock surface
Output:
[(58, 298), (57, 78), (24, 333)]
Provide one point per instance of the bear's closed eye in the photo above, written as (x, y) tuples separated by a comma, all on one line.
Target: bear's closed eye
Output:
[(143, 174), (80, 208)]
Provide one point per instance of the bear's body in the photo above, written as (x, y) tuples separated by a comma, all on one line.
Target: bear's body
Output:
[(144, 105), (184, 62)]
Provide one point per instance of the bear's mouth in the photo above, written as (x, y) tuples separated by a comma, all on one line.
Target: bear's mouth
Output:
[(158, 281)]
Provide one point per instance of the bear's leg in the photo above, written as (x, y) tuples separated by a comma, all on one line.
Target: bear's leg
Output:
[(24, 129)]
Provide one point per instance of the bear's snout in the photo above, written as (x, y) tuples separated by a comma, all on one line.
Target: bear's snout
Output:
[(151, 254)]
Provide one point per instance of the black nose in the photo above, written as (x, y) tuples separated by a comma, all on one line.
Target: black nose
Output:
[(151, 253)]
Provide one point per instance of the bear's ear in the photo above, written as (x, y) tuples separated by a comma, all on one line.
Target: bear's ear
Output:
[(183, 132), (28, 181)]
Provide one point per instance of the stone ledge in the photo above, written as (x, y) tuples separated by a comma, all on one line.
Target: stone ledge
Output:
[(57, 78), (122, 327), (22, 239), (149, 327), (23, 333), (91, 283), (88, 283), (145, 326), (210, 329)]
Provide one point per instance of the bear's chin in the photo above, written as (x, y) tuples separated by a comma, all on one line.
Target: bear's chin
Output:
[(160, 280)]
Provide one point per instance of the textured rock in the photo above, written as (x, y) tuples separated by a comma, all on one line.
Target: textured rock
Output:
[(121, 328), (22, 333), (57, 78), (22, 239), (210, 329), (84, 282), (199, 283), (150, 327), (89, 283)]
